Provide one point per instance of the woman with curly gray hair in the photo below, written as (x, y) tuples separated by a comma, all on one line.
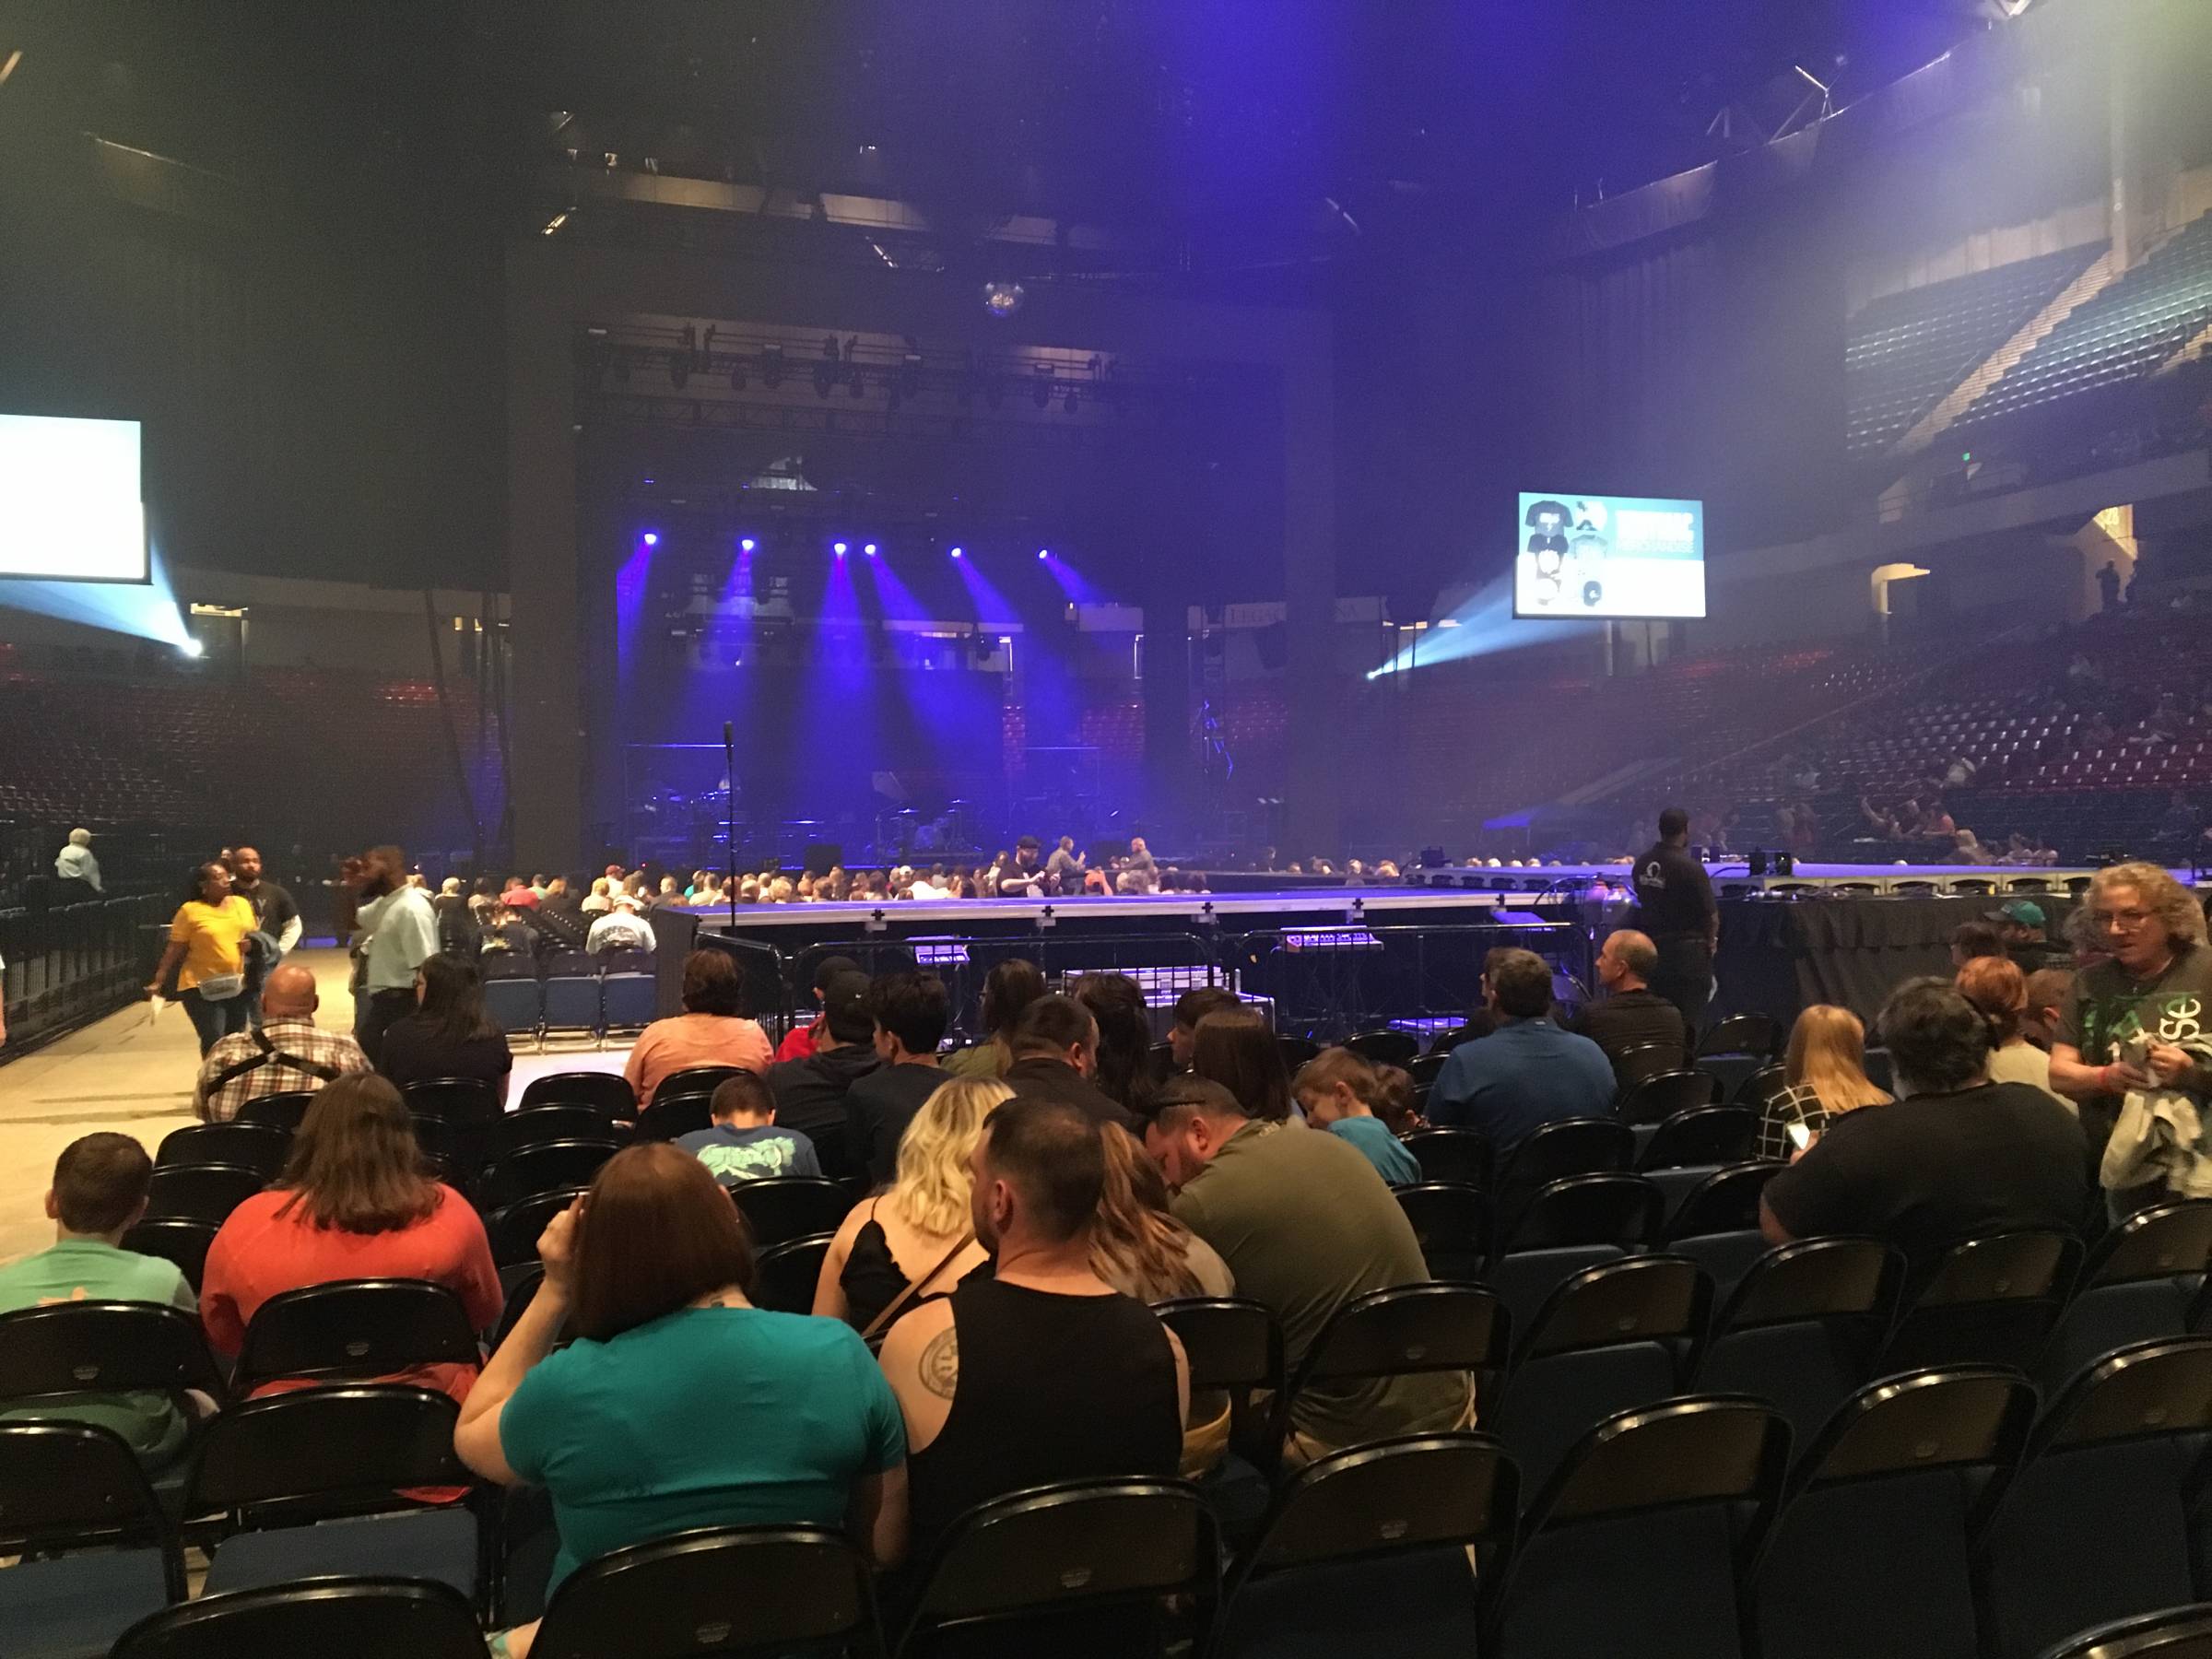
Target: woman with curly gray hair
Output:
[(2135, 1018)]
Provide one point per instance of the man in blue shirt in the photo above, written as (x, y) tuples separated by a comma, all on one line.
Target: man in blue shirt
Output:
[(1528, 1072)]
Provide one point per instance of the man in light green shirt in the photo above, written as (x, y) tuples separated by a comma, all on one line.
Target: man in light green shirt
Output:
[(98, 1192)]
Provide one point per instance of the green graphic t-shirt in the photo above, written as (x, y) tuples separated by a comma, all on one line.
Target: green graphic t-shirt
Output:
[(78, 1270), (2108, 1007)]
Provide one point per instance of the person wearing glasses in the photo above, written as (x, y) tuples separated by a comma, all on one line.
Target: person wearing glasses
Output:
[(2134, 1017)]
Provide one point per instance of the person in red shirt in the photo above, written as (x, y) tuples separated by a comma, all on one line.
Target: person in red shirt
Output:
[(799, 1042), (353, 1204)]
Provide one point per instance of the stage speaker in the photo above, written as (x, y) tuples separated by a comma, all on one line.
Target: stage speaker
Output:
[(1757, 863), (822, 856)]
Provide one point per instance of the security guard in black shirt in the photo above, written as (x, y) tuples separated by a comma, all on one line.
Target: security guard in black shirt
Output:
[(1674, 905)]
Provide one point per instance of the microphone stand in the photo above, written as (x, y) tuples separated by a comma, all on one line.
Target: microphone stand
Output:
[(729, 804)]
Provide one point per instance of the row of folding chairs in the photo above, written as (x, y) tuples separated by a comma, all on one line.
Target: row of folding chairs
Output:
[(571, 992), (1936, 1513)]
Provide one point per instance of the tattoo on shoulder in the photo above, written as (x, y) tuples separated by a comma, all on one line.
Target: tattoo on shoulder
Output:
[(940, 1364)]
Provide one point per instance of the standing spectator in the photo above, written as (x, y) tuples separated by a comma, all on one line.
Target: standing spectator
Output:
[(1336, 1090), (1955, 1157), (916, 1235), (1010, 986), (1117, 1004), (811, 1093), (742, 1142), (286, 1054), (98, 1196), (1676, 907), (1191, 1007), (274, 914), (910, 1012), (1306, 1225), (712, 1030), (75, 862), (1043, 1371), (352, 1203), (401, 934), (1236, 1050), (799, 1042), (1632, 1016), (1055, 1057), (1998, 990), (1824, 1076), (1528, 1072), (679, 1405), (1065, 868), (623, 927), (1025, 877), (207, 939), (449, 1035)]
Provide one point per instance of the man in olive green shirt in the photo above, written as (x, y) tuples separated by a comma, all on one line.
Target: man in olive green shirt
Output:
[(98, 1192), (1306, 1225)]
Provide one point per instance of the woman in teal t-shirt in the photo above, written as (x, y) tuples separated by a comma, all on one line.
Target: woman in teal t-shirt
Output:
[(679, 1405)]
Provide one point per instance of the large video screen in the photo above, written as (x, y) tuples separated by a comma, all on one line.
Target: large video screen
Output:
[(70, 507), (1625, 557)]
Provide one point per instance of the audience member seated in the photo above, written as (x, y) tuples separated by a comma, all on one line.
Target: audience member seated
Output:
[(1528, 1072), (1336, 1090), (744, 1143), (811, 1094), (1117, 1004), (1235, 1048), (710, 1032), (622, 927), (1824, 1076), (1042, 1371), (288, 1053), (2048, 992), (1136, 1246), (1056, 1049), (449, 1035), (1395, 1101), (1974, 939), (2155, 983), (800, 1040), (913, 1237), (98, 1193), (2021, 925), (679, 1403), (1191, 1007), (1632, 1015), (1955, 1157), (353, 1204), (507, 933), (1010, 986), (599, 901), (910, 1012), (1998, 990), (1306, 1225)]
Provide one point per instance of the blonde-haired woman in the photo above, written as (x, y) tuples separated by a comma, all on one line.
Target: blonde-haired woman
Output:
[(915, 1238), (1824, 1071)]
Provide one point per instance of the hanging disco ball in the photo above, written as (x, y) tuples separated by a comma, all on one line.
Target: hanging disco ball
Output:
[(1003, 298)]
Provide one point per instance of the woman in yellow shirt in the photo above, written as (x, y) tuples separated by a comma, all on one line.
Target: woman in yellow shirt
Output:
[(206, 939)]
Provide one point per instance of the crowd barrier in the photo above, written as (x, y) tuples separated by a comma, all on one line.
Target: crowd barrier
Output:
[(72, 963)]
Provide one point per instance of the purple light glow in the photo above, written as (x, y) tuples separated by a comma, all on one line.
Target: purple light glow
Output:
[(745, 546), (837, 548), (1045, 552), (956, 553), (652, 539), (869, 549)]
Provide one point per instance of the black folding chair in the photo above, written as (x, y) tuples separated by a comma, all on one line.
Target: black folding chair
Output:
[(1908, 1457), (786, 1274), (331, 1618), (1760, 1087), (1725, 1201), (734, 1590), (1641, 1061), (1403, 1330), (467, 1109), (354, 1329), (605, 1092), (1444, 1042), (1385, 1047), (1295, 1051), (1701, 1134), (670, 1116), (1657, 1098), (1424, 1069), (200, 1191), (1646, 1528), (1740, 1034), (242, 1145), (534, 1125), (513, 1230), (1104, 1558), (1233, 1346), (281, 1111), (1453, 1223), (174, 1239), (75, 1348), (702, 1080), (98, 1554), (2144, 1279), (2096, 1525), (543, 1167), (1572, 1146), (2183, 1632), (1989, 1301), (1608, 1208), (275, 1466), (1802, 1329), (1457, 1155), (790, 1207), (1365, 1549)]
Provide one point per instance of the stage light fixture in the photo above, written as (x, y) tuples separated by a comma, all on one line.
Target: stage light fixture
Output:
[(652, 538), (837, 548), (1003, 298), (869, 549), (1045, 552), (192, 648), (771, 366), (746, 545), (956, 553)]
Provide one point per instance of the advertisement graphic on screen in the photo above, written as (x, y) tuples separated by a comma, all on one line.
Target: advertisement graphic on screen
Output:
[(1629, 558), (70, 507)]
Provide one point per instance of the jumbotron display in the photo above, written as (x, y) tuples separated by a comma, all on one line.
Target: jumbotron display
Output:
[(70, 506), (1627, 557)]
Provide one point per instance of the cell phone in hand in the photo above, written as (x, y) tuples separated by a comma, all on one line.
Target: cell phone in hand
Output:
[(1800, 1137)]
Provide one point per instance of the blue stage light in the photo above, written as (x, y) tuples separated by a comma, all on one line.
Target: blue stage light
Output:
[(745, 546), (837, 548), (869, 549), (1045, 552), (652, 539), (956, 553)]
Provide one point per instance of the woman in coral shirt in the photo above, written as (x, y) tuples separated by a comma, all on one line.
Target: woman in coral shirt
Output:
[(710, 1032), (353, 1205)]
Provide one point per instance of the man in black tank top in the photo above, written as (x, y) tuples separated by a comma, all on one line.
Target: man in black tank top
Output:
[(1042, 1373)]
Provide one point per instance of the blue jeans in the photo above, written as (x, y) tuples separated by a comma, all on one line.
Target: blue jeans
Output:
[(215, 1020)]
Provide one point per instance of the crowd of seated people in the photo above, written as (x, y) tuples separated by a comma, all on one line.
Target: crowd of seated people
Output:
[(1015, 1219)]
